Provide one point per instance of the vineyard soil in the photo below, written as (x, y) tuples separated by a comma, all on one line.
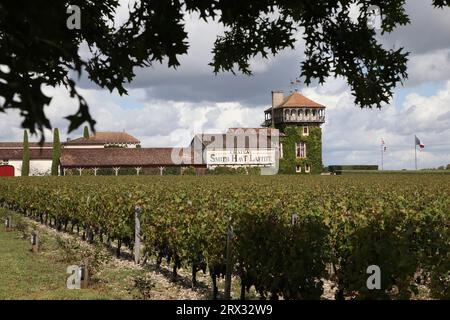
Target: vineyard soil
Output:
[(43, 276)]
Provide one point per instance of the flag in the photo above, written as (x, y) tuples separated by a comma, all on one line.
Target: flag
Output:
[(383, 144), (419, 143)]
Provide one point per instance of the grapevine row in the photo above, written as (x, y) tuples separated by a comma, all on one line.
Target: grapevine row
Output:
[(288, 232)]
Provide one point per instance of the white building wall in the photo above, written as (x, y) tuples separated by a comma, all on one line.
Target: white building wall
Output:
[(121, 145), (97, 146), (37, 167)]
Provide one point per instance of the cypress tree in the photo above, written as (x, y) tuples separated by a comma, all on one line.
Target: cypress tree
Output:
[(25, 155), (56, 152), (86, 132)]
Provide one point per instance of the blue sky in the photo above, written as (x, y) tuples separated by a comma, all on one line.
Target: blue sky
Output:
[(426, 89)]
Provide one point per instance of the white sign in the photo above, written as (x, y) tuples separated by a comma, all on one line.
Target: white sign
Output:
[(241, 157)]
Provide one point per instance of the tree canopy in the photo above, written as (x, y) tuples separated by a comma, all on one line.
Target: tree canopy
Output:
[(39, 49)]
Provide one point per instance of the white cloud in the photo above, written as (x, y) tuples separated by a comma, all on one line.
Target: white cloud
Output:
[(166, 107), (156, 123), (352, 135), (430, 66)]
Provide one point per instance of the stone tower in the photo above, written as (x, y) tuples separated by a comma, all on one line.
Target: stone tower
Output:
[(298, 119)]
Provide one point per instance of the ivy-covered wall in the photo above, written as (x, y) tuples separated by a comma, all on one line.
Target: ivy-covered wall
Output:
[(294, 134)]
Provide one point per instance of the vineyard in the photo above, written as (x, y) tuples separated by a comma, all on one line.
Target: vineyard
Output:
[(289, 233)]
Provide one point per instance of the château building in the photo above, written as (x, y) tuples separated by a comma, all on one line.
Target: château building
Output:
[(289, 142), (299, 121)]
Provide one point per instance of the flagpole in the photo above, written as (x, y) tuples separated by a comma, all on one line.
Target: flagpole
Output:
[(415, 151), (382, 157)]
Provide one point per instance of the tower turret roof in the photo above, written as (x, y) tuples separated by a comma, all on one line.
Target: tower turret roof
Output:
[(296, 99)]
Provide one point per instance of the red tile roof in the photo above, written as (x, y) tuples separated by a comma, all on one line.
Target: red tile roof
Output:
[(19, 145), (122, 157), (234, 140), (16, 154), (296, 99), (105, 138), (243, 129), (268, 131)]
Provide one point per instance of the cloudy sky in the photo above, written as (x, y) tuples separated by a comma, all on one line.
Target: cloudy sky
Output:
[(165, 107)]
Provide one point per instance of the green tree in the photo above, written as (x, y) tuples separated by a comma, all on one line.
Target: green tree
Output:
[(25, 155), (56, 152), (39, 49), (86, 132)]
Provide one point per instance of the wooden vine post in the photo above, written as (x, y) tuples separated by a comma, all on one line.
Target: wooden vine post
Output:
[(84, 276), (89, 235), (228, 264), (34, 242), (294, 219), (8, 223), (137, 234)]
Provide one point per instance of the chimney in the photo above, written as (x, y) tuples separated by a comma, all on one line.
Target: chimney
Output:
[(277, 99), (68, 139)]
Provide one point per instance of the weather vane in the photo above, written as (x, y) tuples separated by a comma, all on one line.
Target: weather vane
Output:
[(295, 84)]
